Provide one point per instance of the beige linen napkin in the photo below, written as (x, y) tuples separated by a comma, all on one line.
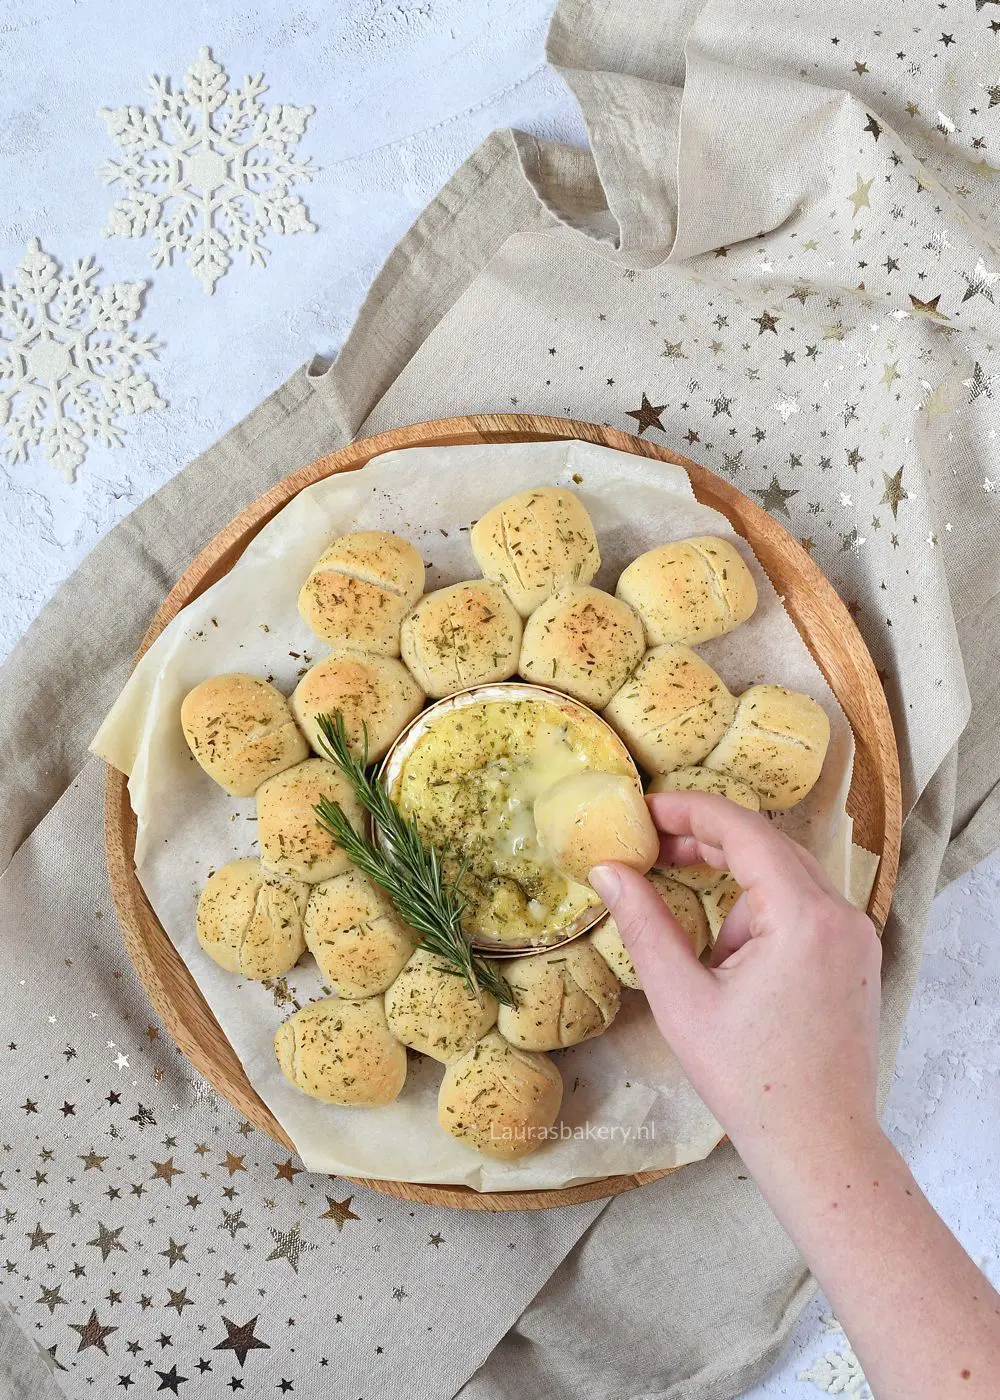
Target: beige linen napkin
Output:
[(787, 268)]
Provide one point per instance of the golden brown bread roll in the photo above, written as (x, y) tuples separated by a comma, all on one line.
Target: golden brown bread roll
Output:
[(563, 997), (535, 543), (683, 904), (718, 901), (672, 710), (342, 1052), (498, 1099), (434, 1011), (468, 634), (376, 692), (702, 877), (777, 743), (361, 588), (250, 922), (241, 731), (689, 590), (356, 936), (589, 818), (291, 841), (583, 642)]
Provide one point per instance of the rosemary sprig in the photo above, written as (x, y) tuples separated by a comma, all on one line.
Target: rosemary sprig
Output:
[(408, 871)]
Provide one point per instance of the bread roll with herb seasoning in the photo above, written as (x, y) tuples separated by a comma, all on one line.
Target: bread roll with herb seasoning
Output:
[(434, 1011), (535, 543), (250, 922), (240, 730), (360, 589), (342, 1052), (500, 1100), (357, 938), (563, 997), (672, 710), (373, 693), (682, 902), (583, 642), (589, 818), (468, 634), (700, 876), (718, 901), (292, 842), (689, 590), (777, 743)]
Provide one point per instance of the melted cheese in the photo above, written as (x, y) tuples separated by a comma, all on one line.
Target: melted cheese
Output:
[(470, 783)]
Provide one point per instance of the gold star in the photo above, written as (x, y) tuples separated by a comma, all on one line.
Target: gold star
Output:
[(179, 1300), (875, 130), (91, 1333), (811, 245), (51, 1297), (984, 170), (107, 1240), (174, 1253), (912, 110), (284, 1171), (860, 68), (673, 350), (836, 332), (860, 196), (165, 1171), (233, 1164), (647, 415), (766, 322), (241, 1339), (340, 1211), (927, 308), (894, 492), (889, 373), (773, 497), (808, 544), (91, 1159), (938, 401), (289, 1244), (39, 1238)]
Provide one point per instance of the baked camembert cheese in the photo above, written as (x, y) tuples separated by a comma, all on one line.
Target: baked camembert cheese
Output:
[(469, 774)]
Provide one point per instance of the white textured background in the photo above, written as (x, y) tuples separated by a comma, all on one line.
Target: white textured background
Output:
[(403, 90)]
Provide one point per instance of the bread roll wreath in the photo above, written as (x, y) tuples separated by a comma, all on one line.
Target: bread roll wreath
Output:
[(377, 912)]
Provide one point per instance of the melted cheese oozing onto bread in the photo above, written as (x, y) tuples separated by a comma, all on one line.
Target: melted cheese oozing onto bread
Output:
[(471, 782)]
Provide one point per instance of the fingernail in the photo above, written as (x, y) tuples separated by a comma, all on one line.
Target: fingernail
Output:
[(607, 882)]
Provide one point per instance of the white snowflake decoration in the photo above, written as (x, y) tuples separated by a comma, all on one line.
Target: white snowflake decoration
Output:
[(209, 171), (838, 1372), (68, 361)]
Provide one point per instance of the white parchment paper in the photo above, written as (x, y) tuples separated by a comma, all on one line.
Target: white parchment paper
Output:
[(627, 1106)]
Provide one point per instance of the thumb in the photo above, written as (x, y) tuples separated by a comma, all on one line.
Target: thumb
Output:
[(676, 984)]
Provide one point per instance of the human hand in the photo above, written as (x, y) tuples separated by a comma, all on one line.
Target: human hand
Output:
[(779, 1034)]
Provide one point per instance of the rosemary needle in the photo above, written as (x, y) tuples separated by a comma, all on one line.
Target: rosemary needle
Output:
[(409, 871)]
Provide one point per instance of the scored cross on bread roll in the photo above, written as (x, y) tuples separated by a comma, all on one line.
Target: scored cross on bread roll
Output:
[(689, 590), (240, 730), (465, 635), (583, 642), (535, 543), (360, 589), (250, 921), (562, 997), (777, 743), (292, 842), (672, 710)]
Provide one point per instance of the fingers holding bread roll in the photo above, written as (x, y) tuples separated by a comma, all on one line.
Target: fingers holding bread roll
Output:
[(583, 642), (672, 710), (342, 1052), (467, 634), (433, 1011), (376, 695), (562, 997), (717, 903), (498, 1099), (689, 590), (700, 779), (241, 731), (360, 589), (776, 743), (535, 543), (686, 908), (589, 818), (251, 922), (292, 842), (357, 938)]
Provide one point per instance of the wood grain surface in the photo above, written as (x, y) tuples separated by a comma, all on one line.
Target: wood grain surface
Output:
[(813, 605)]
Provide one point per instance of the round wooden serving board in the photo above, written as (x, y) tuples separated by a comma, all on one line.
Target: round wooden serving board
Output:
[(820, 616)]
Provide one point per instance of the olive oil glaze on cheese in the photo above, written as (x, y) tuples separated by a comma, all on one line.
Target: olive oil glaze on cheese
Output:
[(469, 776)]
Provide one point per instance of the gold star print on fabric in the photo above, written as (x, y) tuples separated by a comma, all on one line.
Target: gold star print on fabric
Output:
[(773, 497), (91, 1333), (289, 1244), (233, 1164), (927, 308), (285, 1171), (860, 196), (165, 1171), (647, 415), (241, 1339), (339, 1211)]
